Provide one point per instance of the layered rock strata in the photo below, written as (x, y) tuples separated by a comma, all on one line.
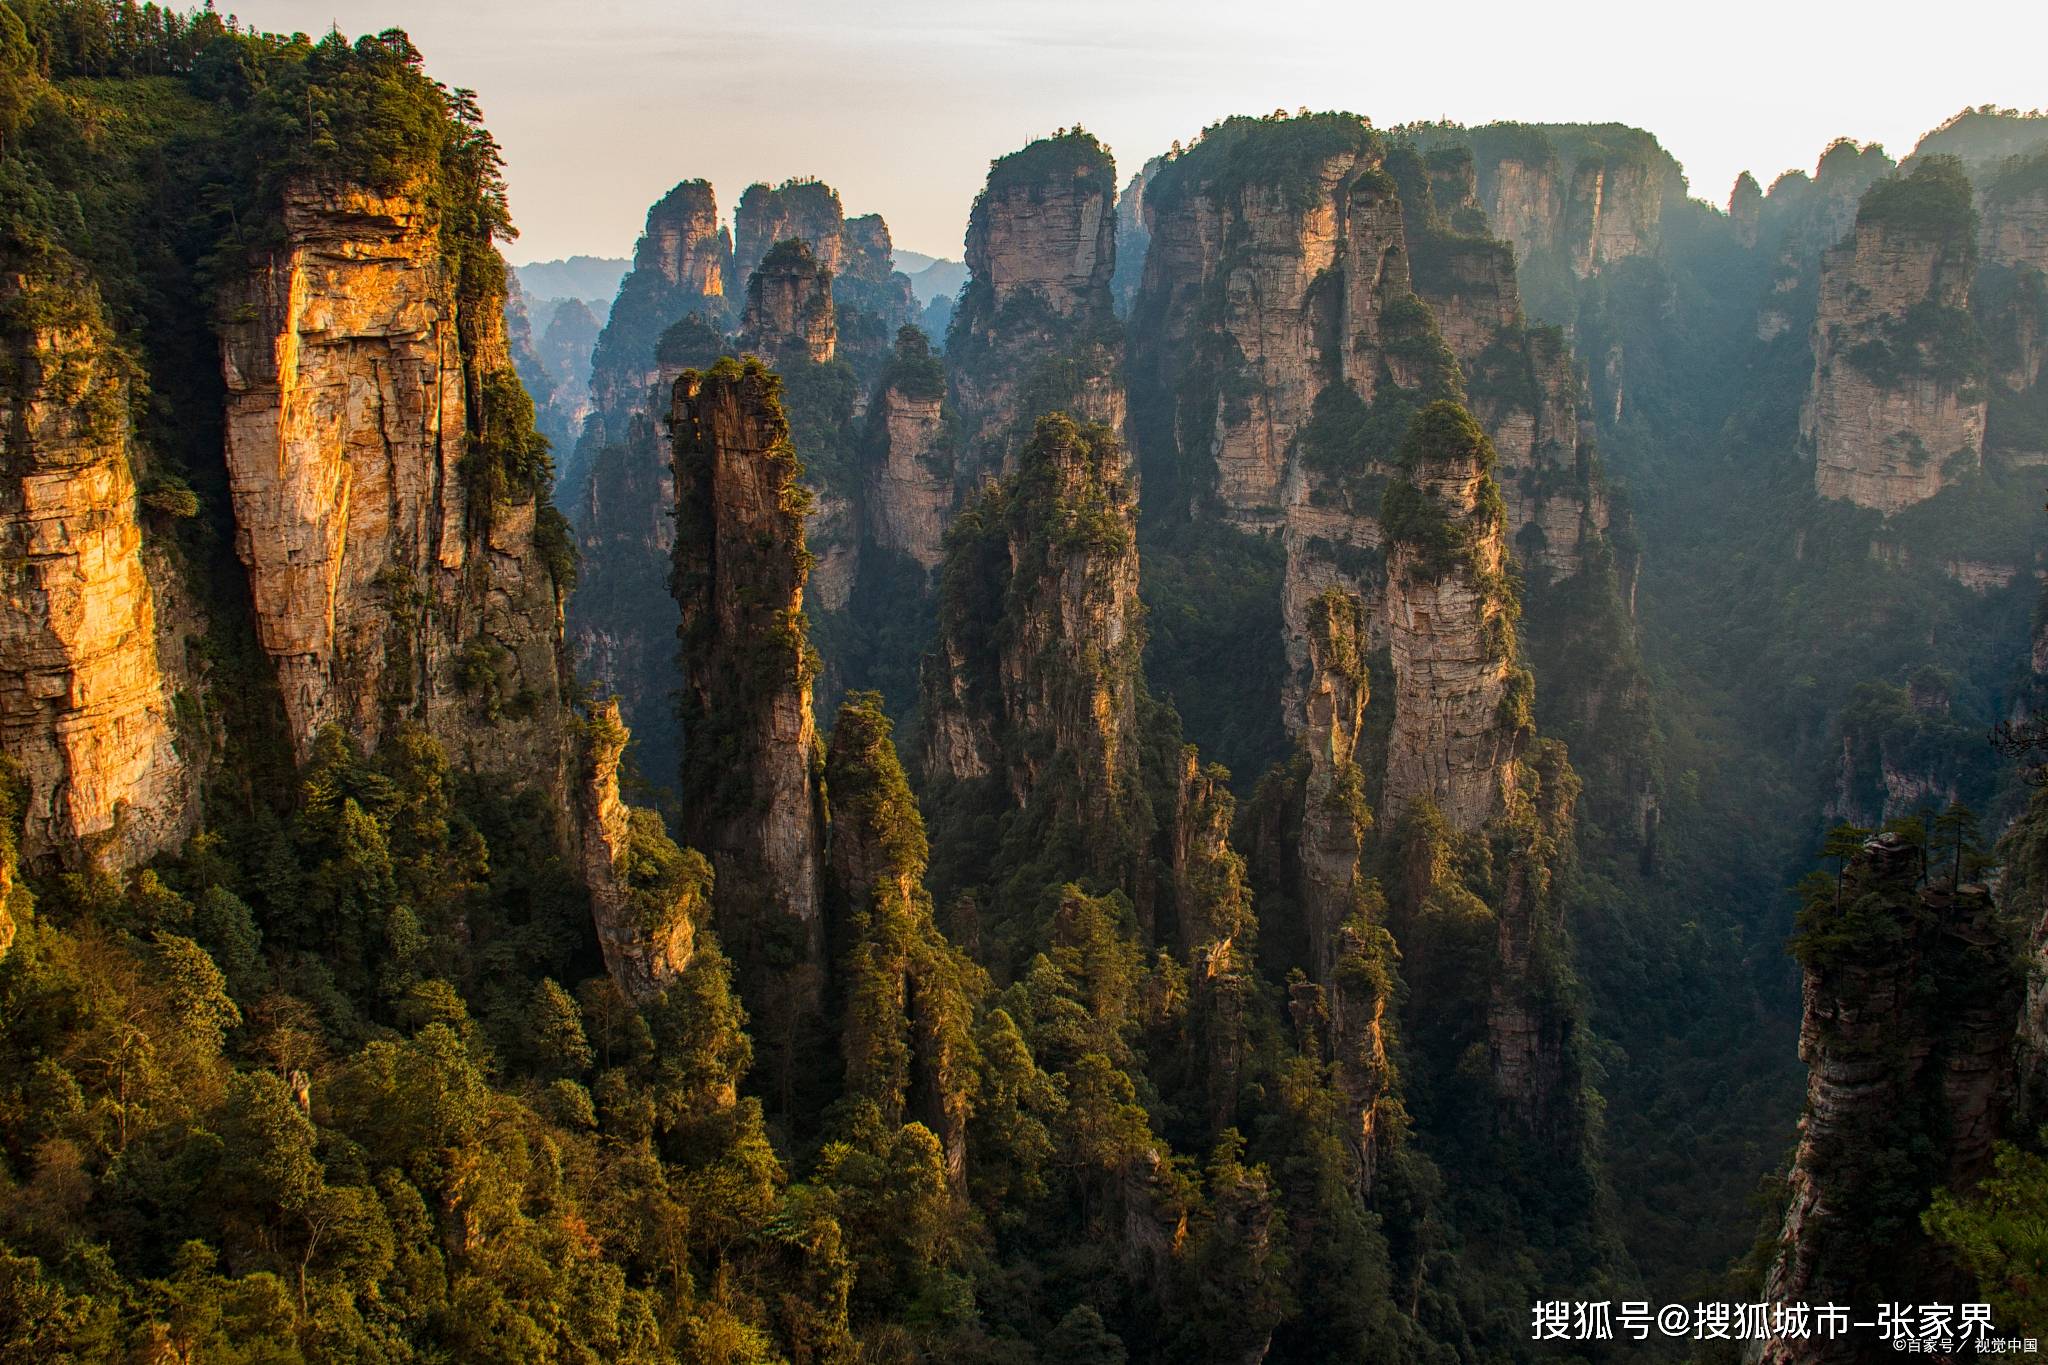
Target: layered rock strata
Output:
[(388, 582)]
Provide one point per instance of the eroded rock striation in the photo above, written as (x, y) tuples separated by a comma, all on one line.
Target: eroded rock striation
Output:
[(87, 669), (1581, 195), (1347, 942), (388, 489), (1897, 406)]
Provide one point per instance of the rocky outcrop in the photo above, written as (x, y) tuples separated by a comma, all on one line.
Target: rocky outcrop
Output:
[(87, 669), (1522, 382), (1460, 704), (1897, 405), (748, 794), (1035, 676), (671, 313), (906, 1034), (1911, 998), (1334, 815), (907, 487), (789, 307), (808, 211), (1746, 208), (1036, 328), (1529, 1030), (647, 898), (1245, 250), (1805, 215), (1213, 926), (388, 490), (682, 264), (1576, 196), (1346, 949)]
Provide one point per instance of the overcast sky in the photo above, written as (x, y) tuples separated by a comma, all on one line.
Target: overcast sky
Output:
[(602, 105)]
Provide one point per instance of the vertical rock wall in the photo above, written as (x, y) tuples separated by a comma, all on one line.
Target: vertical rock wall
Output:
[(383, 589), (85, 695), (749, 796)]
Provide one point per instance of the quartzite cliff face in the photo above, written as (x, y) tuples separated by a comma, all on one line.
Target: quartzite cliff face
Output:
[(789, 316), (1461, 706), (1912, 997), (1292, 318), (86, 667), (388, 583), (749, 795), (908, 481), (1035, 677), (1897, 407), (1244, 250), (1036, 328)]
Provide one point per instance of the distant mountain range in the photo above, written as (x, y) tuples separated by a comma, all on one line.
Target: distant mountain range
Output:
[(595, 280)]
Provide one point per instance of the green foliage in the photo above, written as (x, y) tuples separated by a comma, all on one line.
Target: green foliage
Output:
[(1998, 1232), (507, 459), (914, 370), (1927, 341), (691, 343), (1278, 153), (1068, 156), (1443, 438), (1934, 199)]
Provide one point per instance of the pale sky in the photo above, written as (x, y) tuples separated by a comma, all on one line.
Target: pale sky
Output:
[(602, 105)]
